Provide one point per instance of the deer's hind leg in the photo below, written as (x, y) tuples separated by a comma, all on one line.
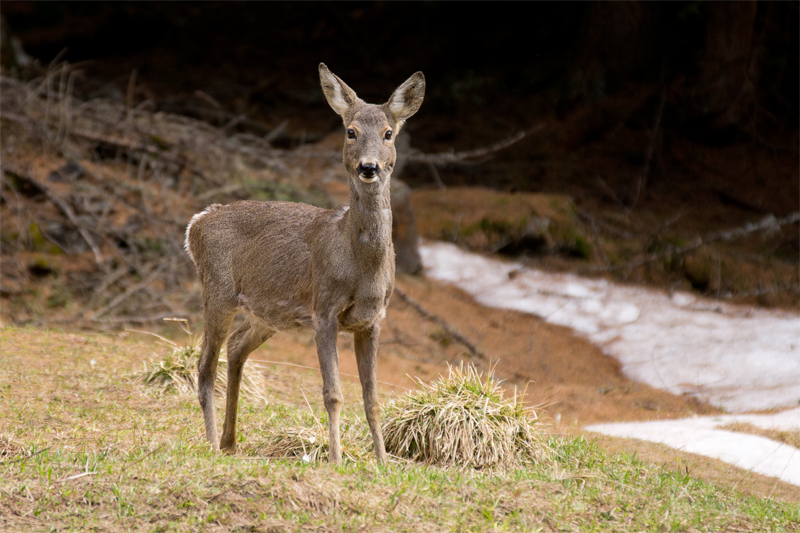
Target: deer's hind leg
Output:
[(247, 337), (217, 321)]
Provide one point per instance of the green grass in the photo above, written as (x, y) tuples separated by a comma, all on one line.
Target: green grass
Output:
[(84, 447)]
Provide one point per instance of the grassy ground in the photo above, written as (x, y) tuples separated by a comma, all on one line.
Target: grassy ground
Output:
[(85, 447)]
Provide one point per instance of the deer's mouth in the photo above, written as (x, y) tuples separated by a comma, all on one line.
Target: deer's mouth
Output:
[(371, 178)]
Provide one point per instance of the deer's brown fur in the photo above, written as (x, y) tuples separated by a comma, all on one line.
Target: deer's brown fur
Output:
[(290, 265)]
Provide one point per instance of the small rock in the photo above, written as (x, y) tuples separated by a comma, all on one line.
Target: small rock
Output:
[(69, 172)]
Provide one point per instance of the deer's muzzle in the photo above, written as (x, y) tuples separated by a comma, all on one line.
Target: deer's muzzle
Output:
[(368, 172)]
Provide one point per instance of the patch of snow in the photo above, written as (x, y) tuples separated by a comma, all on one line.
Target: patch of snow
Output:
[(735, 357), (702, 435)]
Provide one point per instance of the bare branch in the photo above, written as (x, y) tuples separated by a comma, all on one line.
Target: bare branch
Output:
[(427, 315), (64, 208), (767, 224), (642, 181), (132, 290), (462, 158)]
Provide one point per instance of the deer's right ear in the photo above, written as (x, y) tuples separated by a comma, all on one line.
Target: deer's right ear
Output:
[(339, 95)]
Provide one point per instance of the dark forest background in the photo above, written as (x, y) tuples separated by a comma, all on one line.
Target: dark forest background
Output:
[(663, 121), (730, 68)]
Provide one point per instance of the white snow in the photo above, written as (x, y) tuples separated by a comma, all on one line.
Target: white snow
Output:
[(702, 436), (735, 357), (738, 358)]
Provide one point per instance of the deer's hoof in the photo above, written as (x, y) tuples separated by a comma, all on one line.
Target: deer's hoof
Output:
[(229, 449)]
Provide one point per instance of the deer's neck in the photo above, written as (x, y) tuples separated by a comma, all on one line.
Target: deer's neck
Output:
[(369, 222)]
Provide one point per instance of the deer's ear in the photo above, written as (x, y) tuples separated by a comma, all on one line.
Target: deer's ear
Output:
[(339, 95), (407, 98)]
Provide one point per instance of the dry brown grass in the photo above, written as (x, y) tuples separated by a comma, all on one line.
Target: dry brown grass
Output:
[(97, 194), (283, 433), (792, 438), (464, 420), (177, 371), (9, 448), (294, 437)]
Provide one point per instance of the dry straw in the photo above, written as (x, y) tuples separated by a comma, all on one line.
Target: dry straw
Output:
[(9, 447), (177, 371), (464, 420), (297, 440)]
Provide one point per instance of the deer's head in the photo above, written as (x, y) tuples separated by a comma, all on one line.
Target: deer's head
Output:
[(370, 130)]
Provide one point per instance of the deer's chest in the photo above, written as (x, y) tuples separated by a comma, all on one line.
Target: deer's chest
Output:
[(366, 307)]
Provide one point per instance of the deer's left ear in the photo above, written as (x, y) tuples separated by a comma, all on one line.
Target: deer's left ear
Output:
[(407, 98)]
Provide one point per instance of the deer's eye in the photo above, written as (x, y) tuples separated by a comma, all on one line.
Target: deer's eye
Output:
[(351, 133), (388, 135)]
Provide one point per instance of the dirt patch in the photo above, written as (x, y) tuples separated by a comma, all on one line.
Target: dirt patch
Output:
[(571, 378)]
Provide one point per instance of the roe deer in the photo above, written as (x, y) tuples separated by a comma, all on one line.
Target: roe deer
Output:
[(290, 265)]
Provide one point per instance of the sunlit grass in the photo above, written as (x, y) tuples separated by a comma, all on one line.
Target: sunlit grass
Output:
[(85, 447)]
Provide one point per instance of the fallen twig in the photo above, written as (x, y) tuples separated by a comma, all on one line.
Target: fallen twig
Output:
[(604, 226), (462, 158), (436, 177), (768, 223), (140, 459), (20, 459), (133, 146), (65, 208), (76, 476), (642, 181), (128, 293), (439, 322)]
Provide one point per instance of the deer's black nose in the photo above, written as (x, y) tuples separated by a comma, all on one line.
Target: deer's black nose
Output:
[(367, 169)]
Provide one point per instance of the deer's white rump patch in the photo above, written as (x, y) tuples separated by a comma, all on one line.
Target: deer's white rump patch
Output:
[(195, 218)]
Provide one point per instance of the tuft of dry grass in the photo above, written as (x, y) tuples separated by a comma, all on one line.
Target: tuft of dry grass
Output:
[(309, 442), (295, 441), (464, 420), (177, 371), (9, 448)]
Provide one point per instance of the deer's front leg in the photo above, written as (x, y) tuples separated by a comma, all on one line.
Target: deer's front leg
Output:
[(331, 388), (366, 344)]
